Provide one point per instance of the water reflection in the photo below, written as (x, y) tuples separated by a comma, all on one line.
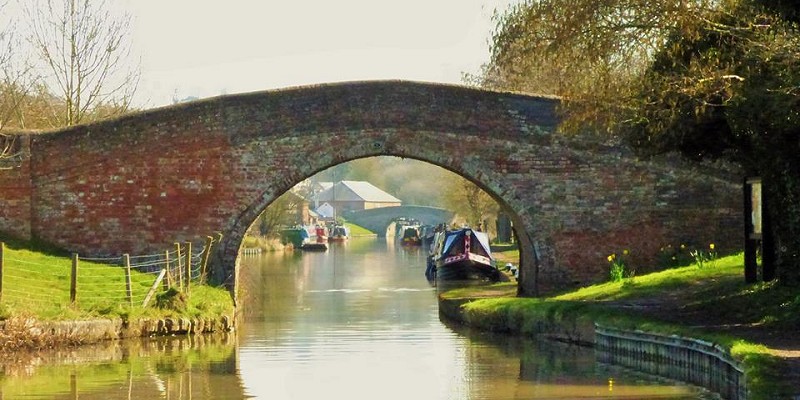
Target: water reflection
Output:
[(358, 321), (363, 323), (200, 367)]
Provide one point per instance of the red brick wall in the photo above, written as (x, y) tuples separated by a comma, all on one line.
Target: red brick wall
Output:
[(15, 190), (144, 181)]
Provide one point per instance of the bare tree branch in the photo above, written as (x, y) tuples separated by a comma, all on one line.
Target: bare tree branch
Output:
[(86, 50), (15, 85)]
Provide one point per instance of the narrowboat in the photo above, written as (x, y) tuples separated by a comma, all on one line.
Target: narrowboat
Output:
[(339, 233), (461, 254)]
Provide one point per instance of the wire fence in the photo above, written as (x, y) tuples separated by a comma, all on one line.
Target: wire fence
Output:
[(101, 284)]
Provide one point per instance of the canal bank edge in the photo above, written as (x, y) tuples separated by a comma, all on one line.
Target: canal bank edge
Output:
[(574, 330), (29, 333), (576, 327)]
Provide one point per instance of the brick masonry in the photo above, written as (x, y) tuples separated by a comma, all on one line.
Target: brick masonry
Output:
[(141, 182)]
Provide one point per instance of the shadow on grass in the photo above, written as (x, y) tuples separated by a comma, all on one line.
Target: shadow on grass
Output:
[(34, 244)]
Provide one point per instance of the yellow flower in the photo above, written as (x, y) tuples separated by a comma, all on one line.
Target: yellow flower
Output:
[(611, 257), (625, 252), (683, 246), (711, 246)]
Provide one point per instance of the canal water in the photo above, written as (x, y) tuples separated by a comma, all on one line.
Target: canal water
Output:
[(358, 321)]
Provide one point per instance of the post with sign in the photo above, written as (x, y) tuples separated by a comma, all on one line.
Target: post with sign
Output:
[(757, 233), (752, 227)]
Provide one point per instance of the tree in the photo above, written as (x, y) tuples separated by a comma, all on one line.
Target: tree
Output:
[(711, 79), (14, 88), (282, 212), (738, 99), (85, 48), (592, 53), (472, 203)]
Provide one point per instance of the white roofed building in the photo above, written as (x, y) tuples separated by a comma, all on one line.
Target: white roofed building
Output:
[(354, 196)]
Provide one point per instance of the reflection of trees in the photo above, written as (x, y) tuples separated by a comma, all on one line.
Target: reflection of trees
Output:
[(200, 366), (530, 368), (268, 285)]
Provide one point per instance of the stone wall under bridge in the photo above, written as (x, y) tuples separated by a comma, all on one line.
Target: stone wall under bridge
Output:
[(138, 183)]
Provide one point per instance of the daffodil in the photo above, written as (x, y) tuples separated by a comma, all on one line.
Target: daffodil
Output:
[(711, 246)]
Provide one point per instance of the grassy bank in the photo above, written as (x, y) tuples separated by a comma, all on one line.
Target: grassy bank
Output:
[(263, 243), (712, 303), (357, 230), (36, 286), (506, 254)]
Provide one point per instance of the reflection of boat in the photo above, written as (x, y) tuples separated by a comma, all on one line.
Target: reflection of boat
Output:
[(339, 233), (411, 236), (461, 254), (311, 246)]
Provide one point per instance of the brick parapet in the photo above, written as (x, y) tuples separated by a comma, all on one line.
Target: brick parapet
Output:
[(16, 187), (141, 182)]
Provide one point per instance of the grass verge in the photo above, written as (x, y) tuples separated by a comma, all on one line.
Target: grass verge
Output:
[(36, 285), (357, 230), (690, 301)]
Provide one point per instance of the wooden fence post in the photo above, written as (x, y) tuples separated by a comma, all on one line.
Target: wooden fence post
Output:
[(73, 279), (128, 289), (188, 265), (168, 281), (2, 248), (178, 261), (152, 290), (206, 256)]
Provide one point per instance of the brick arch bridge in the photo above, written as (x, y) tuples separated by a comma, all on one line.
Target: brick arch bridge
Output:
[(378, 219), (138, 183)]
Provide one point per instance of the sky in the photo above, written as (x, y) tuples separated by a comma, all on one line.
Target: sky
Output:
[(200, 48)]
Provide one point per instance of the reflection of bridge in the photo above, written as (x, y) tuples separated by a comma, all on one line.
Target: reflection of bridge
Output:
[(378, 219)]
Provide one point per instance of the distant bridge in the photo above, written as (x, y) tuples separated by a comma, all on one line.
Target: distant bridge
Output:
[(378, 219)]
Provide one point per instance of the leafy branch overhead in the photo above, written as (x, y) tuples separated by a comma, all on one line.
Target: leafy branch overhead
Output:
[(706, 78)]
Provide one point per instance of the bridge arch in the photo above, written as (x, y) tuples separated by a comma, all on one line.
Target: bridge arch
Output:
[(143, 181)]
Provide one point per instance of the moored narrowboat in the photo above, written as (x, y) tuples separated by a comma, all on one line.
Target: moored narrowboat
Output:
[(461, 254)]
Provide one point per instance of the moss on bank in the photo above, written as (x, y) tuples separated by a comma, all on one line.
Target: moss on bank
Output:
[(689, 301)]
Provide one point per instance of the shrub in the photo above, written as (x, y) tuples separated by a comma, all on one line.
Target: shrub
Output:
[(172, 299)]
